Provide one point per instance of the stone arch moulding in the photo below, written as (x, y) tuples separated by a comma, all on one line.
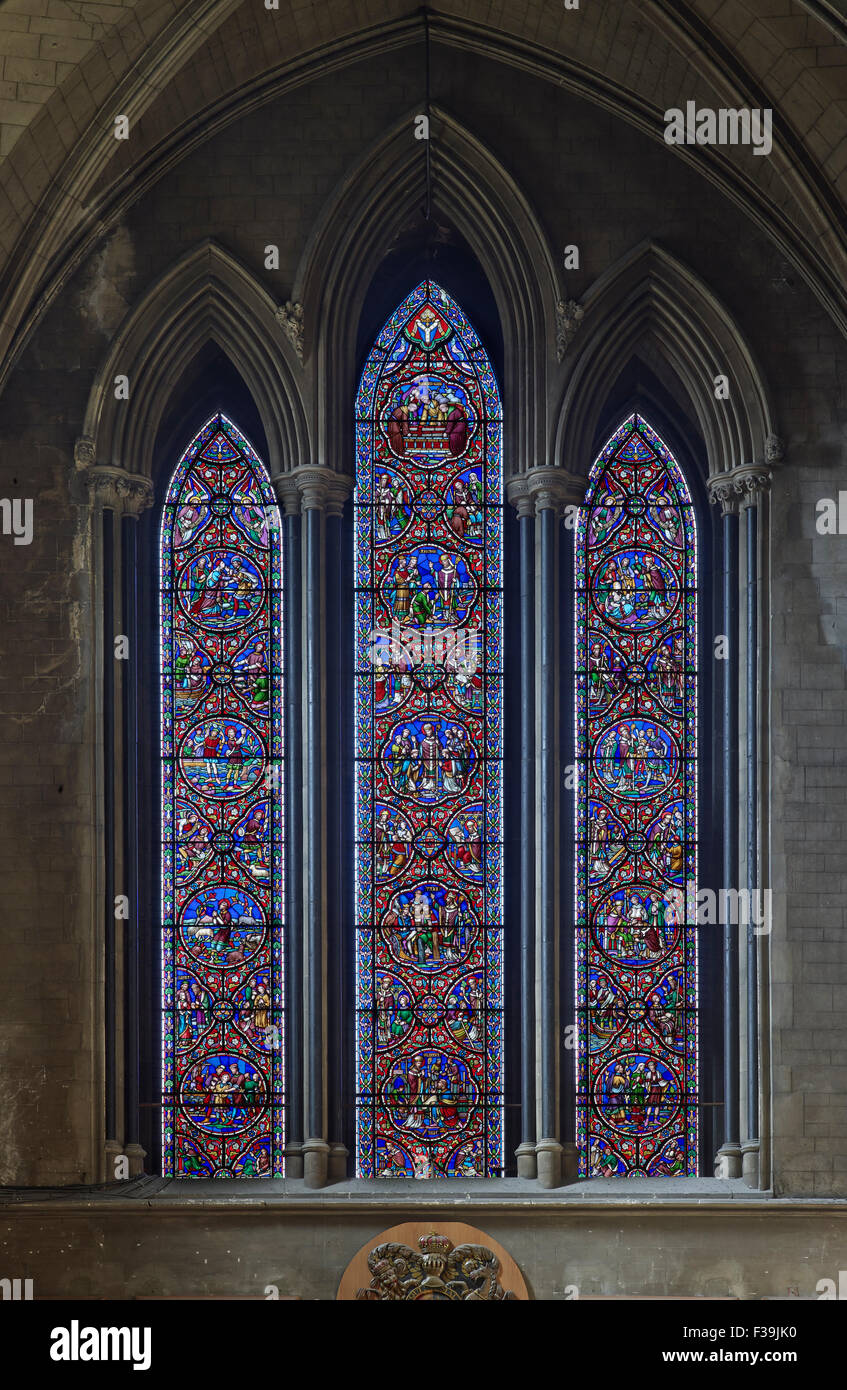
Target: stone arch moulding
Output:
[(77, 206), (473, 192), (139, 75), (650, 290), (206, 296)]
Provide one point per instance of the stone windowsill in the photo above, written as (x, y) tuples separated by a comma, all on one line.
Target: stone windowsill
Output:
[(505, 1193)]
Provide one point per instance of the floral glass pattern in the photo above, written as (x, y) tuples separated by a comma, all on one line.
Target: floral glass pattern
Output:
[(636, 851), (429, 914), (222, 814)]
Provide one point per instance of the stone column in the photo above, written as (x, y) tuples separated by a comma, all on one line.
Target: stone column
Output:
[(320, 490), (752, 485), (722, 491), (551, 490), (116, 495), (289, 499), (519, 496), (340, 837), (107, 670), (569, 757)]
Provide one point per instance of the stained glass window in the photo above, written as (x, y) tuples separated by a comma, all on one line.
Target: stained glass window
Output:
[(222, 828), (429, 748), (636, 664)]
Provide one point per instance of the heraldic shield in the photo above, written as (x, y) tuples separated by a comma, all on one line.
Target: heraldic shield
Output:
[(430, 1266)]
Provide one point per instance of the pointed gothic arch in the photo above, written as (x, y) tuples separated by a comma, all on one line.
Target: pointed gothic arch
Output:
[(206, 296), (221, 714), (473, 191), (651, 291), (429, 749), (209, 297), (636, 659)]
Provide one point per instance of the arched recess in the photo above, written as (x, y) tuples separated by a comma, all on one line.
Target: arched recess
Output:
[(207, 299), (649, 291), (639, 522), (651, 295), (222, 856), (472, 191), (360, 224), (78, 196), (428, 425), (206, 296)]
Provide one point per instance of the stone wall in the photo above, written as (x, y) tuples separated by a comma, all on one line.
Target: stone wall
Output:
[(593, 182), (223, 1251)]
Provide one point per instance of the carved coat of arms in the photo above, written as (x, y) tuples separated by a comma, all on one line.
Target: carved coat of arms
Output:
[(438, 1270)]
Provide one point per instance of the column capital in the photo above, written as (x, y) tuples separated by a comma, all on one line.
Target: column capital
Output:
[(313, 488), (287, 492), (554, 489), (518, 493), (128, 494), (740, 488), (722, 494)]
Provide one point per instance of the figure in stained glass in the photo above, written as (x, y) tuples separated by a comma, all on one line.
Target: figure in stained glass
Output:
[(636, 663), (429, 749), (222, 826)]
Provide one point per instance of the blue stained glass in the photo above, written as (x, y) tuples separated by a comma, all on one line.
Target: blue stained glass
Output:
[(222, 812), (636, 850), (428, 565)]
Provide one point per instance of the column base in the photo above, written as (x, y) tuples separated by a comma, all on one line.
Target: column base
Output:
[(549, 1156), (750, 1162), (315, 1162), (337, 1165), (113, 1150), (728, 1161), (570, 1162), (136, 1156), (293, 1155), (527, 1161)]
